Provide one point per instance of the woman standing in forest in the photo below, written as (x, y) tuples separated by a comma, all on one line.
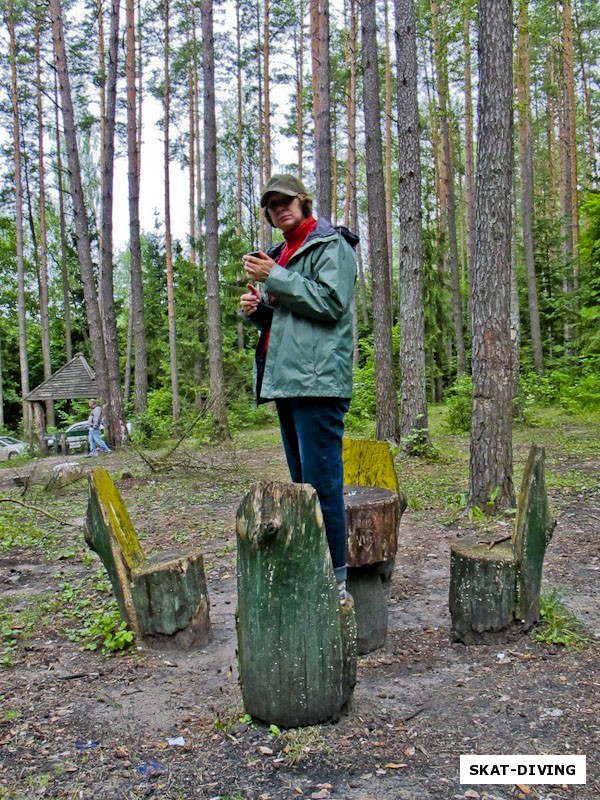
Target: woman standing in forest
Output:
[(304, 354)]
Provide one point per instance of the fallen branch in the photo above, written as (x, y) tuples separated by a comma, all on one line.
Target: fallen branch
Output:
[(33, 508), (499, 541)]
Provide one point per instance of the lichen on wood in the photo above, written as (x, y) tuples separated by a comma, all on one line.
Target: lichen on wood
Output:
[(164, 597), (296, 645)]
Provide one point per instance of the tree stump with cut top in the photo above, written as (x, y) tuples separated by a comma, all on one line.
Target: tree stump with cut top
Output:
[(495, 584), (162, 597), (372, 517), (296, 643)]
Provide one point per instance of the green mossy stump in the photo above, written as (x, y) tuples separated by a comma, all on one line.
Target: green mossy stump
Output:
[(374, 508), (495, 585), (296, 644), (162, 597)]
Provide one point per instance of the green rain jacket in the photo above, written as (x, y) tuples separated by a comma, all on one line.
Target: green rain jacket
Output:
[(310, 344)]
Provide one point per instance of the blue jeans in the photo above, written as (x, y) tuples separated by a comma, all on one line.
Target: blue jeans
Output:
[(312, 429), (97, 442)]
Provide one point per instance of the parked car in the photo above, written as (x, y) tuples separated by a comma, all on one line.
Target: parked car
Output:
[(11, 448), (75, 437)]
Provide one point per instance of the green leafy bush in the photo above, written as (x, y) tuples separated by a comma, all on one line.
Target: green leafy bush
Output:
[(458, 419)]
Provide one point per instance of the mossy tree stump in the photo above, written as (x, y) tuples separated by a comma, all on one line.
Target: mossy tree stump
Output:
[(374, 507), (162, 597), (495, 585), (296, 644)]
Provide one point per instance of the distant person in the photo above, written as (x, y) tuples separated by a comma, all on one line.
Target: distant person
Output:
[(97, 443), (304, 354)]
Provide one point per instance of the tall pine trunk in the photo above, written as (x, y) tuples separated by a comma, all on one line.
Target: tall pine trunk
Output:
[(215, 337), (62, 227), (21, 309), (79, 210), (526, 167), (175, 400), (469, 153), (490, 468), (140, 384), (113, 402), (440, 37), (319, 38), (385, 390), (413, 392), (43, 251)]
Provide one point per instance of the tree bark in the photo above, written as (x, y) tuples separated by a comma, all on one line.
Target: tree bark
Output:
[(441, 47), (113, 401), (299, 61), (62, 227), (79, 210), (526, 166), (386, 402), (21, 310), (43, 252), (413, 390), (176, 405), (319, 30), (135, 248), (490, 469), (215, 336), (351, 208), (469, 155)]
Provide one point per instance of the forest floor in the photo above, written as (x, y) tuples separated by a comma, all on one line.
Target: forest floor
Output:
[(76, 723)]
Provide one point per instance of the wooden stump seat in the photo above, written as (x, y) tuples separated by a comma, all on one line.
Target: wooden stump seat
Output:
[(163, 597), (374, 506), (296, 643), (495, 585)]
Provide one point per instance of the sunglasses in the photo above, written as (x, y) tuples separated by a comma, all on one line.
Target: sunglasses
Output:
[(279, 202)]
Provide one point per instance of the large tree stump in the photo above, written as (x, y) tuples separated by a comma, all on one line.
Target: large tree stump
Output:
[(296, 644), (163, 597), (372, 517), (372, 534), (495, 585)]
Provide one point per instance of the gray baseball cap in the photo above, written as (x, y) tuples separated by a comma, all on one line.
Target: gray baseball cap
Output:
[(282, 184)]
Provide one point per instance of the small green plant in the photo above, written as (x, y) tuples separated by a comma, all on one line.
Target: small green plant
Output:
[(558, 624), (109, 629), (274, 731), (8, 643), (458, 419), (299, 742), (246, 719)]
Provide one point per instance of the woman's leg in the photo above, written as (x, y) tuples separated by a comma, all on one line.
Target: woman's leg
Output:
[(314, 429)]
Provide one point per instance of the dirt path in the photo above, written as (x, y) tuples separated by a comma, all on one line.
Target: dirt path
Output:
[(75, 724)]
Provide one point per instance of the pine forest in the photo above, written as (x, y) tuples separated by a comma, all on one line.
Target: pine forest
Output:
[(459, 140)]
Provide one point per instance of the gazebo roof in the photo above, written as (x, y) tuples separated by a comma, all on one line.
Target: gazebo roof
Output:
[(75, 379)]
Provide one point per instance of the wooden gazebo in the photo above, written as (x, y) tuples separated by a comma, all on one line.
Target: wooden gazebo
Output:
[(74, 380)]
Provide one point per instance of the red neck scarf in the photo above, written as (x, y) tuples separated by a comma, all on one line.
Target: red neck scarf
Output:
[(294, 239)]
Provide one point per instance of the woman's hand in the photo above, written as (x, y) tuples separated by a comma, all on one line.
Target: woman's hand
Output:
[(249, 301), (258, 266)]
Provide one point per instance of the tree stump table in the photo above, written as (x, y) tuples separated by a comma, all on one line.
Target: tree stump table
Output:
[(495, 584), (296, 643), (373, 516)]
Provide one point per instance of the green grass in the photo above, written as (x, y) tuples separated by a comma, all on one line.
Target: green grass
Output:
[(558, 624)]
